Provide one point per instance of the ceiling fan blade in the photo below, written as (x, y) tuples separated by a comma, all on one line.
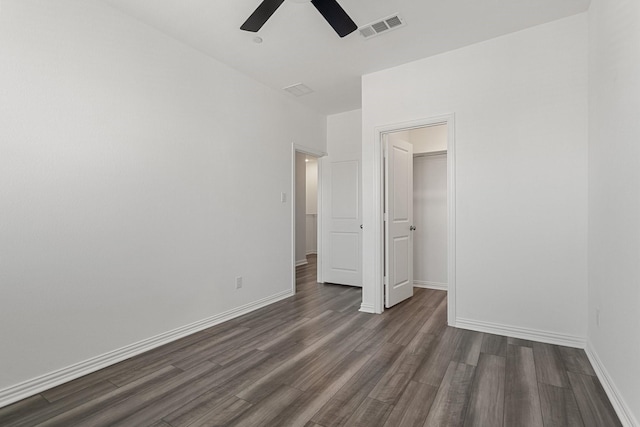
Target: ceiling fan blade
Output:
[(335, 16), (261, 15)]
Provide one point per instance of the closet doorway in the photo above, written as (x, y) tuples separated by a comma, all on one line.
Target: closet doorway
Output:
[(428, 249)]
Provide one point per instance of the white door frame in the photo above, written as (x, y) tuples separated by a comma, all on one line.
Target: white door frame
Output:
[(378, 238), (296, 148)]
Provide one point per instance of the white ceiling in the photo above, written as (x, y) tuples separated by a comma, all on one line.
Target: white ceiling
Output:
[(300, 47)]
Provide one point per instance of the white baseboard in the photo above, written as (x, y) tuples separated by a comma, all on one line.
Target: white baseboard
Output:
[(312, 252), (301, 262), (522, 333), (45, 382), (430, 285), (622, 409), (367, 308)]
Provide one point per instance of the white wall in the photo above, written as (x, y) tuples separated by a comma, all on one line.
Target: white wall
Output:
[(614, 195), (344, 134), (311, 234), (312, 206), (403, 135), (301, 203), (312, 186), (429, 139), (430, 219), (137, 179), (520, 105)]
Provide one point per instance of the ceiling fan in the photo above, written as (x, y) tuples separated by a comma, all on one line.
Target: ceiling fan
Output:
[(330, 9)]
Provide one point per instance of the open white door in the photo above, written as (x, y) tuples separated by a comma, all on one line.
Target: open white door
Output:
[(398, 221), (341, 216)]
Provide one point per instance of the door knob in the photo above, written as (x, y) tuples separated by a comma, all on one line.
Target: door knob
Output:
[(412, 228), (360, 226)]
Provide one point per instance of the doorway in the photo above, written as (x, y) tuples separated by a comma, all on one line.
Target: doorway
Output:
[(436, 153), (305, 204), (430, 219), (306, 200)]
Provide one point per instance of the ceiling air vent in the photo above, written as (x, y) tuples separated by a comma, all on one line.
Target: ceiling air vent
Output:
[(298, 89), (375, 28)]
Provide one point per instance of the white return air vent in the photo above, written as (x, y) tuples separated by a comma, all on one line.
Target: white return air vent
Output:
[(384, 25), (298, 89)]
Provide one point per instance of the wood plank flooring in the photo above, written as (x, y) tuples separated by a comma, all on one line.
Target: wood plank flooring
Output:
[(314, 360)]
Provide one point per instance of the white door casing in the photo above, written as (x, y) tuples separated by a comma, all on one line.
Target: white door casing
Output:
[(342, 217), (398, 221)]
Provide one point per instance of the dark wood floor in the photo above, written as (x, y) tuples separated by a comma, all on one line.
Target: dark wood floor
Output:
[(314, 360)]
